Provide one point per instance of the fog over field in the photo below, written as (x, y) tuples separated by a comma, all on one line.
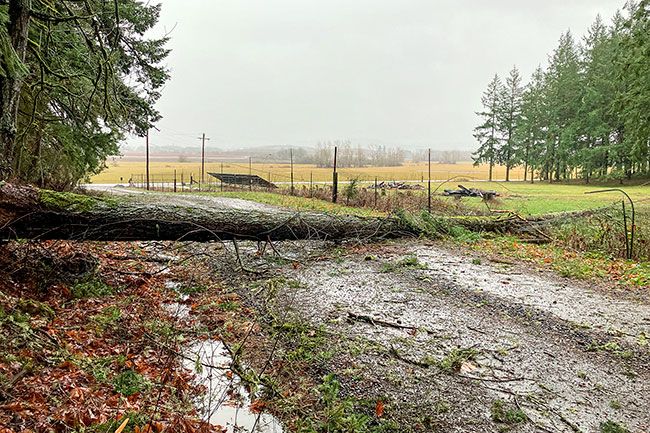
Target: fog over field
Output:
[(290, 72)]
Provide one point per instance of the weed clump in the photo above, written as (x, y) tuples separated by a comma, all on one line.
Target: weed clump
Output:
[(408, 262), (129, 382), (505, 415), (612, 427), (341, 414), (456, 358), (91, 288)]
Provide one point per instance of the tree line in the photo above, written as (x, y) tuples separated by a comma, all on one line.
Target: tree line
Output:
[(351, 156), (348, 155), (587, 115), (75, 78)]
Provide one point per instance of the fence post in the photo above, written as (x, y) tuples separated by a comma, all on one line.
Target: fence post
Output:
[(429, 194), (250, 173), (175, 180), (376, 192), (335, 179)]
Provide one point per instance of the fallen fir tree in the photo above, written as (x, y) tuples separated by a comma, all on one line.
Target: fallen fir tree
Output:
[(31, 213)]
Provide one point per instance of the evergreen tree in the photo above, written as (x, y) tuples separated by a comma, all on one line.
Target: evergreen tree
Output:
[(596, 117), (487, 133), (564, 93), (633, 102), (588, 113), (508, 117), (75, 78), (531, 129)]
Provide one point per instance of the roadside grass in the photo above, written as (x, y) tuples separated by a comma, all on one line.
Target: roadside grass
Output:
[(613, 427), (573, 264), (299, 203), (80, 345), (599, 237), (343, 414), (522, 198)]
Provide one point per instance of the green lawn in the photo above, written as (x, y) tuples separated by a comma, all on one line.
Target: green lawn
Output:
[(524, 198), (540, 198)]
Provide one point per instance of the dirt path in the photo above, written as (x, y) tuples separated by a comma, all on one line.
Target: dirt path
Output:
[(462, 346)]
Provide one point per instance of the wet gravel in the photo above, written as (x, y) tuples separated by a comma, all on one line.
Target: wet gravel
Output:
[(569, 357)]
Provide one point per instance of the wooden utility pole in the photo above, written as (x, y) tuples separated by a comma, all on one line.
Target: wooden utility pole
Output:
[(291, 157), (335, 179), (147, 158), (203, 139)]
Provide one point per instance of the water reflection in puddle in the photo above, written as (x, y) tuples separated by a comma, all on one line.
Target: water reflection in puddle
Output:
[(225, 402)]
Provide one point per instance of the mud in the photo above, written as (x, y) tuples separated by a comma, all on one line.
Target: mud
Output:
[(568, 357)]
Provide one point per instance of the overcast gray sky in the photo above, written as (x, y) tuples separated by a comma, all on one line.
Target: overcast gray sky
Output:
[(295, 72)]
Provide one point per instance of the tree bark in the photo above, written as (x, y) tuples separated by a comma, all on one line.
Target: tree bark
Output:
[(11, 85), (29, 213)]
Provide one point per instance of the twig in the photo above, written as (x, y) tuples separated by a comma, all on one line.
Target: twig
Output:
[(497, 380), (367, 319), (241, 263), (393, 351)]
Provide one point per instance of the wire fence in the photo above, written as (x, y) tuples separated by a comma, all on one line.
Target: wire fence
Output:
[(381, 195), (281, 172)]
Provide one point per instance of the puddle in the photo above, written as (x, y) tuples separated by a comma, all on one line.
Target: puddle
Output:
[(226, 401)]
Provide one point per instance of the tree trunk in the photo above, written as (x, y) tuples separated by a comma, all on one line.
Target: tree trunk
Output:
[(532, 174), (29, 213), (526, 162), (11, 85)]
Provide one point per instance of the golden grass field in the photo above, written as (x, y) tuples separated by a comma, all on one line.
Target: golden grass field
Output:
[(281, 172)]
